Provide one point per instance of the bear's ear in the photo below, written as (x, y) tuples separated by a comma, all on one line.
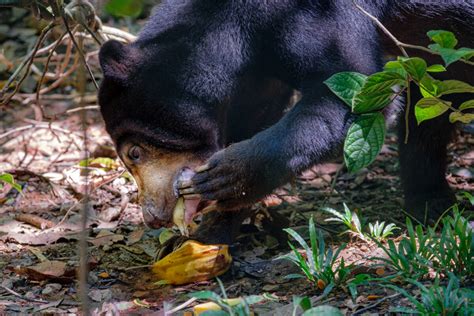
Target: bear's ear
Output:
[(116, 60)]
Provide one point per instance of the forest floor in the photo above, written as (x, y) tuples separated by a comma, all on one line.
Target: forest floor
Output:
[(39, 228)]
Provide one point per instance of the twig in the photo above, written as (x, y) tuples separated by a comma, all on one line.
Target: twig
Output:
[(83, 108), (79, 51), (25, 63), (138, 267), (380, 301), (40, 82), (401, 45), (61, 78), (382, 27), (118, 33), (180, 307), (22, 296), (34, 220), (67, 213)]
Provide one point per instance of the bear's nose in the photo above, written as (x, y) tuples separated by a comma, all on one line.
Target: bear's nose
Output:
[(154, 216)]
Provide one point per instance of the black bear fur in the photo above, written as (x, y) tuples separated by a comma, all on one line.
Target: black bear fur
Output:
[(214, 77)]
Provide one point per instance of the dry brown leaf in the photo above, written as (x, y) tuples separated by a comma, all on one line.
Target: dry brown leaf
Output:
[(44, 270), (106, 238)]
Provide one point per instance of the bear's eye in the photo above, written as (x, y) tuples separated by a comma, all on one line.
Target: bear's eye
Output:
[(135, 153)]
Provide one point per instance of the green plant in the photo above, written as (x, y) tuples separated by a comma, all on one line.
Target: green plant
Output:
[(317, 262), (454, 248), (380, 231), (356, 225), (349, 219), (414, 253), (305, 304), (369, 95), (438, 300), (10, 180), (237, 307)]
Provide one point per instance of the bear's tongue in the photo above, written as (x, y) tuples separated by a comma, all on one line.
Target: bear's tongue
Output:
[(191, 206), (190, 209)]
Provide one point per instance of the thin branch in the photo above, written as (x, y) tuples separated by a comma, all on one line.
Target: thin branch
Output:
[(118, 33), (432, 52), (27, 61), (380, 301), (40, 82), (382, 27), (79, 50), (401, 45)]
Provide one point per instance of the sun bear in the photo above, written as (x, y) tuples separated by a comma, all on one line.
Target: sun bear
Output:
[(207, 82)]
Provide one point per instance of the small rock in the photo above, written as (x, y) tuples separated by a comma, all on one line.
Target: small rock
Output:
[(110, 214), (271, 287), (93, 278), (51, 288), (100, 295), (7, 283)]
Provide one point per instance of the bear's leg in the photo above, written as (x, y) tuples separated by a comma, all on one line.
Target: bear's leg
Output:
[(423, 161), (221, 227), (258, 104)]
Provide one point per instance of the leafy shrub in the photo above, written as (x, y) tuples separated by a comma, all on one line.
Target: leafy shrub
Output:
[(356, 225), (438, 300), (10, 180), (367, 96), (317, 262)]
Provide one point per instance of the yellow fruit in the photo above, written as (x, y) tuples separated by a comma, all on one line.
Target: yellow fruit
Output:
[(178, 217), (211, 306), (193, 262)]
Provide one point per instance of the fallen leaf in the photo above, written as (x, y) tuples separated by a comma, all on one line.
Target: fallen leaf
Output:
[(44, 270), (106, 238)]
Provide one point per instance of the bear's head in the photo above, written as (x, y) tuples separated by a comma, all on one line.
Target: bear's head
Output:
[(159, 131)]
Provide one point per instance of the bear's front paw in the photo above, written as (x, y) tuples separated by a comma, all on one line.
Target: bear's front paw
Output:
[(236, 177)]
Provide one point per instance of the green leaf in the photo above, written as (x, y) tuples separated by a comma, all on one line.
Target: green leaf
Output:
[(206, 295), (468, 53), (303, 302), (369, 102), (436, 68), (324, 310), (454, 86), (416, 67), (9, 179), (465, 118), (364, 140), (428, 108), (345, 85), (467, 105), (443, 38), (429, 86), (165, 235), (450, 55), (124, 8), (395, 66), (382, 81)]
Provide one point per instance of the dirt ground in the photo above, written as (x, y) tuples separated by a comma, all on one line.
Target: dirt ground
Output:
[(39, 228)]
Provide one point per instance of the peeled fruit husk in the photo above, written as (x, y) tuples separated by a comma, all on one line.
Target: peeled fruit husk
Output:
[(178, 217), (211, 306), (193, 262)]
